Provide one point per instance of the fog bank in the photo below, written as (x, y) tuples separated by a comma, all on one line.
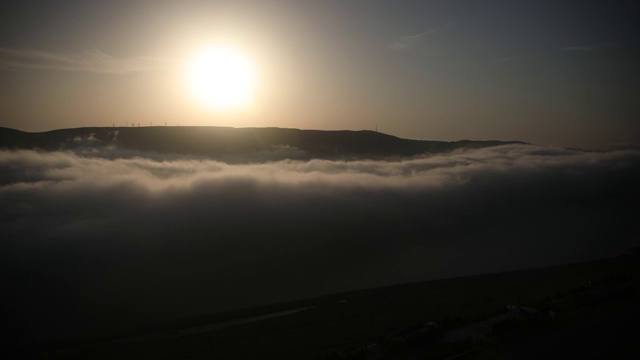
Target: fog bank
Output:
[(92, 240)]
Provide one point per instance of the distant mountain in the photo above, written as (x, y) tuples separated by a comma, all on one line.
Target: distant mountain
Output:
[(227, 142)]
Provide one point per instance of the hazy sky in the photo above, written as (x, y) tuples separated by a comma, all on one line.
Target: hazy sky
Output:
[(547, 72)]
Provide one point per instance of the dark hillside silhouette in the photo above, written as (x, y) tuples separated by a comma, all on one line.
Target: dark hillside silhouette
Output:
[(222, 141)]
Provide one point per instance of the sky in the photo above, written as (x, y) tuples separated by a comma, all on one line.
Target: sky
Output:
[(561, 73)]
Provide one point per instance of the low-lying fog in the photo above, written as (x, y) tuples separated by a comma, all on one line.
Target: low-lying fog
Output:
[(91, 241)]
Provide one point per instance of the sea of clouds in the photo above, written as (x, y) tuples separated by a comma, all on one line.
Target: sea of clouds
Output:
[(92, 240)]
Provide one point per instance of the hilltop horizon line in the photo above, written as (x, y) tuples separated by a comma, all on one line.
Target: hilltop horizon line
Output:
[(240, 128)]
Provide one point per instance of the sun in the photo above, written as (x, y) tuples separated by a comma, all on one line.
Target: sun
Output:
[(221, 78)]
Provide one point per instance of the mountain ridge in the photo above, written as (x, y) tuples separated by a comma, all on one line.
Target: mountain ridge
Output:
[(221, 142)]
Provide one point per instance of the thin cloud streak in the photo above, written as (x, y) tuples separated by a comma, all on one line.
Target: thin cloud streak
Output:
[(409, 41), (510, 58), (587, 48), (90, 62)]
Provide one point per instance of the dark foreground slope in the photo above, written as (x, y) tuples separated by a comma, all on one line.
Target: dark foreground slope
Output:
[(226, 142), (595, 301)]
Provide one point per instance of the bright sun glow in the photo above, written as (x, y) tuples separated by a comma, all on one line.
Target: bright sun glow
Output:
[(222, 78)]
